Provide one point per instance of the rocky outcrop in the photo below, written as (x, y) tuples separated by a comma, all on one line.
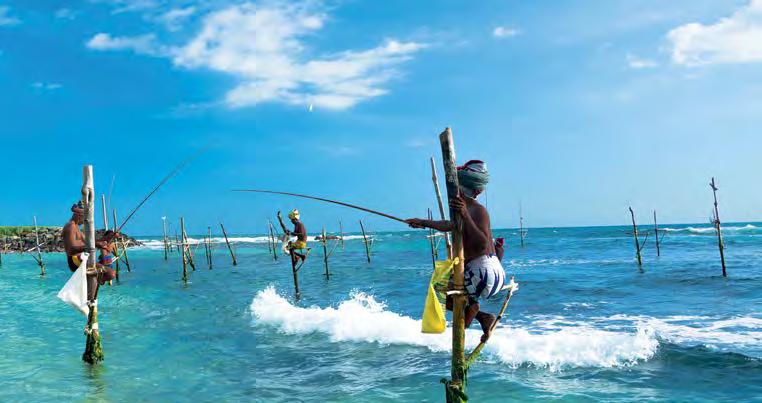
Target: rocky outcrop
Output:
[(50, 240)]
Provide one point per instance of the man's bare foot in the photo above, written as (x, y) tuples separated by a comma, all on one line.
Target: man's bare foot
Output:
[(486, 320)]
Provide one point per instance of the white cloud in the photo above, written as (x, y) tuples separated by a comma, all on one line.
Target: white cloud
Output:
[(264, 47), (638, 63), (144, 44), (734, 39), (46, 86), (504, 32), (6, 18), (174, 18)]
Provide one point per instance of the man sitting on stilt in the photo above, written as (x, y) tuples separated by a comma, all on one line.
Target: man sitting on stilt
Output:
[(484, 274), (74, 245), (300, 232)]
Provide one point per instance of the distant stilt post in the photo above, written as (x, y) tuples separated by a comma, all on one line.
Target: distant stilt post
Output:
[(166, 246), (185, 259), (432, 243), (272, 240), (209, 247), (325, 255), (124, 245), (365, 240), (455, 388), (116, 247), (440, 203), (230, 248), (93, 349), (656, 235), (39, 253), (522, 232), (188, 250), (635, 234), (718, 228), (341, 235)]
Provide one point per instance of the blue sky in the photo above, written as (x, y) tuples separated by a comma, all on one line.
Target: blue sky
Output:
[(580, 108)]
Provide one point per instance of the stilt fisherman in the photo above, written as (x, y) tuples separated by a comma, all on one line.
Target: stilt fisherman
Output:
[(296, 247)]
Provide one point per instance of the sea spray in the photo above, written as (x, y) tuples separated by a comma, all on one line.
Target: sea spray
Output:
[(363, 319)]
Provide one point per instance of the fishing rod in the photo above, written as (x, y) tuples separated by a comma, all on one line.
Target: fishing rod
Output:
[(163, 181), (324, 200)]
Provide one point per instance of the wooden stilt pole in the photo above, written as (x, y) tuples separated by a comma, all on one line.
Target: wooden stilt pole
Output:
[(455, 388), (341, 235), (187, 250), (209, 248), (274, 246), (124, 246), (365, 240), (325, 255), (116, 248), (184, 250), (93, 348), (440, 203), (522, 232), (294, 269), (656, 235), (230, 248), (166, 246), (432, 243), (39, 253), (635, 234), (718, 228)]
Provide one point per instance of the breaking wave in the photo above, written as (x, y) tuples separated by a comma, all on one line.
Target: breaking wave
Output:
[(363, 319), (710, 230)]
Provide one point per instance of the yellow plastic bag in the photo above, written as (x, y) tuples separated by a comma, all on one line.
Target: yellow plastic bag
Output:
[(434, 310)]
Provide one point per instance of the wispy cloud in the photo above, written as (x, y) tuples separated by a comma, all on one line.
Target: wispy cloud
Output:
[(65, 14), (264, 47), (40, 86), (505, 32), (734, 39), (638, 63), (6, 18), (143, 44), (174, 18), (338, 150)]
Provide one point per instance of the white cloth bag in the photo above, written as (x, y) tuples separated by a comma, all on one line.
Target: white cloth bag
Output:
[(74, 292)]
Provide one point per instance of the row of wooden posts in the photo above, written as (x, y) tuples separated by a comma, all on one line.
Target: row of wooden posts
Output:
[(715, 221)]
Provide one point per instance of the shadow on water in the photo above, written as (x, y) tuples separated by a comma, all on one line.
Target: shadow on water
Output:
[(96, 382)]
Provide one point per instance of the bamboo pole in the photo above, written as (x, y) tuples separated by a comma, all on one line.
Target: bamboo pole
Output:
[(341, 235), (187, 249), (325, 254), (116, 247), (455, 389), (656, 235), (438, 193), (718, 228), (230, 248), (209, 247), (124, 245), (184, 251), (166, 246), (432, 244), (522, 233), (105, 212), (39, 253), (294, 270), (365, 240), (93, 347), (272, 239), (635, 233)]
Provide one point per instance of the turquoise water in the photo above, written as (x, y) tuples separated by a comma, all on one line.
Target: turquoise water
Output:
[(587, 324)]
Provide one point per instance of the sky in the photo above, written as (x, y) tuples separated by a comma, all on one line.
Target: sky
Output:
[(580, 108)]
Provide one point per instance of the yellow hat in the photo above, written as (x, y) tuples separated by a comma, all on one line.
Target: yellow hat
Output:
[(294, 214)]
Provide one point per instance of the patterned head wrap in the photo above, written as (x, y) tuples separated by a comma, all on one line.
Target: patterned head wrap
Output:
[(294, 214), (473, 177), (78, 208)]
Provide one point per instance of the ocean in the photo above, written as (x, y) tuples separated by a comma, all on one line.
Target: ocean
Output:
[(587, 324)]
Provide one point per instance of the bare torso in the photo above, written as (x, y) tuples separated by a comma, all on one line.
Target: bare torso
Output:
[(474, 245), (73, 238)]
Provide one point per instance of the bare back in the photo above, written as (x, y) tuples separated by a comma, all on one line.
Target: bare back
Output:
[(473, 246), (73, 238)]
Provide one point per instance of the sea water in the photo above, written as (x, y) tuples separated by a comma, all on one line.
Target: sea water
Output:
[(587, 323)]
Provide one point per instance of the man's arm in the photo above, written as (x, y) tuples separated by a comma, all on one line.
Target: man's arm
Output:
[(443, 225)]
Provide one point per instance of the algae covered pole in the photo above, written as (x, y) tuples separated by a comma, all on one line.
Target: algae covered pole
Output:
[(37, 242), (656, 235), (638, 245), (718, 228), (325, 255), (455, 388), (93, 349)]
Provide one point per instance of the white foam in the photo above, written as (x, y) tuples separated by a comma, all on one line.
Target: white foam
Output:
[(363, 319), (707, 230)]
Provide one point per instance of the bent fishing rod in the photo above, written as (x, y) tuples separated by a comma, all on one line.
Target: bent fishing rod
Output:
[(163, 181), (367, 210)]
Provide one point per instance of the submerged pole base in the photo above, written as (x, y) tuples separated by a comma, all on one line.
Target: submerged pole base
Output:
[(454, 391), (93, 348)]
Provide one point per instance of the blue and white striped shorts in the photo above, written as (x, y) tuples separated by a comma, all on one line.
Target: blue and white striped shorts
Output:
[(484, 276)]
